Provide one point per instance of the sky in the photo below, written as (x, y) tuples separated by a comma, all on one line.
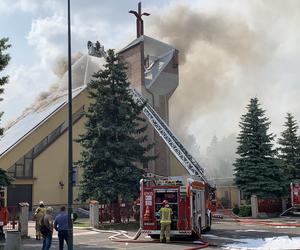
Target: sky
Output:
[(230, 51)]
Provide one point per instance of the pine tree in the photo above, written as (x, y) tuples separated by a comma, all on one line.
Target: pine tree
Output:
[(288, 150), (4, 60), (114, 143), (256, 169), (5, 180)]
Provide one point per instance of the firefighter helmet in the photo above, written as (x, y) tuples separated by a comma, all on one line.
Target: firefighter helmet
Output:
[(165, 202)]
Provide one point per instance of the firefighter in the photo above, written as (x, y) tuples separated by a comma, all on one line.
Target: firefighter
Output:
[(165, 221), (4, 219), (38, 214)]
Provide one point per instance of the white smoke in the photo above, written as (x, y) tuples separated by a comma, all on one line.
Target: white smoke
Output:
[(61, 64), (83, 68), (229, 53)]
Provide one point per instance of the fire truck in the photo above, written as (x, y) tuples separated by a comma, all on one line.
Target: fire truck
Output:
[(187, 196), (295, 194), (294, 210)]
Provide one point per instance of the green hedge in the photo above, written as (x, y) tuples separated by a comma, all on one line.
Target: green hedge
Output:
[(236, 209), (245, 211)]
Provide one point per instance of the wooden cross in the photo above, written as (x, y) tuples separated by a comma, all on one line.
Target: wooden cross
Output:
[(139, 20)]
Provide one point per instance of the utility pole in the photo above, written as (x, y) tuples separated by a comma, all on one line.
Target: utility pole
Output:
[(70, 139)]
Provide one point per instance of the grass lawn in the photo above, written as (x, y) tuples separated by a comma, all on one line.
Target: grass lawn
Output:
[(84, 222)]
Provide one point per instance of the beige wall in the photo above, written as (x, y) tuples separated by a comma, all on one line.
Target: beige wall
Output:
[(134, 58), (51, 165), (176, 167), (39, 133), (233, 194)]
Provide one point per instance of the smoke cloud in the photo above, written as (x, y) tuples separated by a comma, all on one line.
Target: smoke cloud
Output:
[(228, 54), (55, 90), (82, 69), (61, 64)]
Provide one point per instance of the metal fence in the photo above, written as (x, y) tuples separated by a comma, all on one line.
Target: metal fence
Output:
[(123, 212), (269, 205), (81, 210), (108, 213)]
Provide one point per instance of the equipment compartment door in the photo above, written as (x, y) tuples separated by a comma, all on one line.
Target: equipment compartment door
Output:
[(171, 195), (203, 209), (199, 208)]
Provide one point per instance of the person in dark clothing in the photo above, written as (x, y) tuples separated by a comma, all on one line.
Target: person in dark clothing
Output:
[(46, 228), (61, 225)]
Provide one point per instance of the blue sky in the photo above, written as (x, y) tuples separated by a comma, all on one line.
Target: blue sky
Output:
[(37, 32), (230, 51)]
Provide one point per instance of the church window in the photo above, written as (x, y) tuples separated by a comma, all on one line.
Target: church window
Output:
[(23, 168)]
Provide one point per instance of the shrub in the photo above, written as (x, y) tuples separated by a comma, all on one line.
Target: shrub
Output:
[(245, 211), (236, 209)]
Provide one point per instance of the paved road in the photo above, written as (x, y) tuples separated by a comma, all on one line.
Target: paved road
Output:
[(222, 234)]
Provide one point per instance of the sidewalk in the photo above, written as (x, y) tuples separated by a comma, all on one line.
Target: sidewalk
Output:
[(33, 244)]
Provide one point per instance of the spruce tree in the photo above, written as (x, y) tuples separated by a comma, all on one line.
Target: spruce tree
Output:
[(4, 60), (5, 180), (288, 150), (256, 169), (114, 145)]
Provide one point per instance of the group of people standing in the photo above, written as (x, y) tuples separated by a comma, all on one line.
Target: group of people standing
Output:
[(45, 223)]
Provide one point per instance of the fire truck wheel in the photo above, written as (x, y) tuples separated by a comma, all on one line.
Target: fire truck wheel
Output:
[(208, 219)]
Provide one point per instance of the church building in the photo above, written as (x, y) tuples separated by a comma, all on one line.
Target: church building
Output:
[(33, 149)]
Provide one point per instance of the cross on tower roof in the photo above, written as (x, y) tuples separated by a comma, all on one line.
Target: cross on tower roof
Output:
[(139, 20)]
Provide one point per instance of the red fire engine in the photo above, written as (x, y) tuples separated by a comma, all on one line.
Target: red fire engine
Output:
[(188, 197)]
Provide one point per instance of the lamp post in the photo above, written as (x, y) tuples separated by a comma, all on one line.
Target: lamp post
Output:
[(70, 139)]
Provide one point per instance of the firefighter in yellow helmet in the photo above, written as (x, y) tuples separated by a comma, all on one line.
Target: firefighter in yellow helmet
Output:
[(165, 221), (38, 214)]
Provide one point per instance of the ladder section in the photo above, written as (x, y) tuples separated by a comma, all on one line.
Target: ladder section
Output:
[(180, 152)]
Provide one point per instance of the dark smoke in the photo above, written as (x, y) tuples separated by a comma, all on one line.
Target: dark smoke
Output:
[(226, 58)]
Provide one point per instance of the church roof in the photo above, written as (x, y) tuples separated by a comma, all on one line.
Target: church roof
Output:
[(148, 41), (132, 44), (28, 123), (82, 71)]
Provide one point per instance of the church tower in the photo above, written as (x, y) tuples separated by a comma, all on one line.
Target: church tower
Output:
[(153, 70)]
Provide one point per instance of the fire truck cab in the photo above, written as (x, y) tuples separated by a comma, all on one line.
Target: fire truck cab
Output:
[(187, 196)]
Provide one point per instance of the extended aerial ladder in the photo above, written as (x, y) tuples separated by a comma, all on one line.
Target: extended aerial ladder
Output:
[(176, 147)]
